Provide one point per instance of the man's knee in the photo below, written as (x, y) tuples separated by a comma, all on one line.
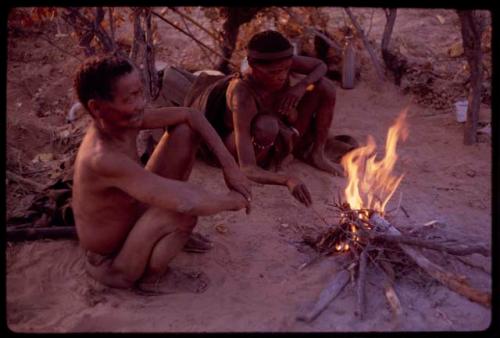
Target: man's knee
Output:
[(326, 89), (265, 129), (184, 132), (186, 224)]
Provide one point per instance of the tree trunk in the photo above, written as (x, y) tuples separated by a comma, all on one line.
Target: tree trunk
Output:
[(235, 17), (394, 61), (149, 67), (471, 38), (368, 47), (390, 15), (139, 38)]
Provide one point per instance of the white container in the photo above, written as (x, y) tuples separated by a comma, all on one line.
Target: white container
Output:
[(461, 110)]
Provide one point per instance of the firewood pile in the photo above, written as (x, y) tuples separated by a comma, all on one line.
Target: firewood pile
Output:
[(368, 239)]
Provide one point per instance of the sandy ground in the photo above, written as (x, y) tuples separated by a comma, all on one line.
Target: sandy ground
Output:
[(254, 280)]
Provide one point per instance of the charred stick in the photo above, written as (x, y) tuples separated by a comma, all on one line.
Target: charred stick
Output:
[(326, 296), (361, 284), (405, 212)]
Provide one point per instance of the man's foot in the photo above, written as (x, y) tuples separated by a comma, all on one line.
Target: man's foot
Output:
[(336, 147), (175, 281), (319, 161), (198, 243)]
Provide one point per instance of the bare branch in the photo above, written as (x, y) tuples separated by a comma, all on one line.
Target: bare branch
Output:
[(192, 37), (373, 57)]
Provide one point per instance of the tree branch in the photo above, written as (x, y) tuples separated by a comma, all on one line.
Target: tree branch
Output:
[(192, 37), (373, 57)]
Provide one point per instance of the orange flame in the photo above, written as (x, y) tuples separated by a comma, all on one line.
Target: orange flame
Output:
[(370, 182)]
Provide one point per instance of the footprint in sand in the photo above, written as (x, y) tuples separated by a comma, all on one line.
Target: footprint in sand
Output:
[(175, 281)]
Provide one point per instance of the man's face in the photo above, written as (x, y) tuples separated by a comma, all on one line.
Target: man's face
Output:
[(273, 75), (126, 110)]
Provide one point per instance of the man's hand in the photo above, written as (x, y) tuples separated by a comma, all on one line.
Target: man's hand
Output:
[(237, 201), (299, 191), (290, 100), (236, 180)]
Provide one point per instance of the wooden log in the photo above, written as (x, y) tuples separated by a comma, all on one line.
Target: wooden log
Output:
[(459, 249), (326, 296), (455, 283), (389, 292), (30, 234), (361, 285)]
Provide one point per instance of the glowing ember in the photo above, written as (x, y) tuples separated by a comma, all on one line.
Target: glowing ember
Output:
[(370, 182)]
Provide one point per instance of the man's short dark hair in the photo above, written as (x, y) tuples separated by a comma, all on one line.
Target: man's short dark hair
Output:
[(268, 42), (96, 77)]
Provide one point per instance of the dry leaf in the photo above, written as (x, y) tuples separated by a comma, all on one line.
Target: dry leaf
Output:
[(456, 50), (43, 157), (221, 228), (64, 134), (440, 19)]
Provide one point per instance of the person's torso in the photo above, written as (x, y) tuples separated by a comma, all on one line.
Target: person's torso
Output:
[(101, 210)]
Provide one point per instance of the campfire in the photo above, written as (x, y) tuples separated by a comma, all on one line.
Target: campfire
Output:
[(366, 237)]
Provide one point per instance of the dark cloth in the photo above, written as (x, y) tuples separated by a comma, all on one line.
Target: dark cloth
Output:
[(208, 94)]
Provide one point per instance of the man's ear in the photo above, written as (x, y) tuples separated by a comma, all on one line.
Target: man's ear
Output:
[(94, 108)]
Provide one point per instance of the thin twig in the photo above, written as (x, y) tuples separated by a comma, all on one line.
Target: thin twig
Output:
[(371, 22), (59, 48), (202, 49), (194, 38), (184, 16), (16, 178), (405, 212)]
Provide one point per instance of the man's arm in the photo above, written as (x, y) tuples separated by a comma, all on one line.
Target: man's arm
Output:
[(166, 116), (314, 69), (244, 110), (184, 197)]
